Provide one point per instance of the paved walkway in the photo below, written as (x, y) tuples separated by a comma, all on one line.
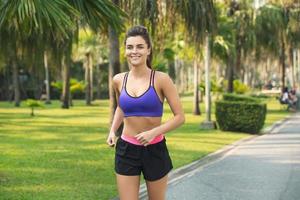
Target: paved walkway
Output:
[(266, 167)]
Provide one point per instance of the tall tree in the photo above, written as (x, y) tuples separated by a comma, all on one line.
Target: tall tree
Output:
[(98, 15), (21, 20), (200, 21), (272, 18)]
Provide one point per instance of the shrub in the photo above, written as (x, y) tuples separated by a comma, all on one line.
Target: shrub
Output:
[(239, 87), (238, 97), (240, 116), (260, 96), (33, 104)]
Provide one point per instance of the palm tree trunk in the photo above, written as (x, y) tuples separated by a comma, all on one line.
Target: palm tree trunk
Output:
[(88, 80), (98, 81), (66, 61), (282, 62), (292, 64), (207, 79), (298, 66), (114, 67), (47, 82), (230, 72), (91, 77), (196, 89), (16, 84)]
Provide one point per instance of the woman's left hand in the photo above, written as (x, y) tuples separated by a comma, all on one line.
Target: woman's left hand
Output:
[(145, 137)]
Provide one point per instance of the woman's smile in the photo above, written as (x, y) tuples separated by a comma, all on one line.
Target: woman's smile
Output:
[(136, 50)]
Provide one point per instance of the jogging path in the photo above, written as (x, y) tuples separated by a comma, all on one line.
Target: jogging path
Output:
[(265, 167)]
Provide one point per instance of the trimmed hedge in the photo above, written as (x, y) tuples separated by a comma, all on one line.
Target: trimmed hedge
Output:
[(236, 97), (241, 116)]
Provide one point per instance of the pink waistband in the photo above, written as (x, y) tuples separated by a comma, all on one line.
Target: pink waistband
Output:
[(133, 140)]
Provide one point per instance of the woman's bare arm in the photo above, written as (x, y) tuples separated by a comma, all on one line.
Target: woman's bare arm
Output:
[(118, 115)]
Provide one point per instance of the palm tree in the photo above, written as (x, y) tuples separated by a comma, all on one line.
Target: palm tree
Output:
[(20, 21), (98, 15), (241, 37), (200, 21), (272, 18), (57, 21), (88, 46)]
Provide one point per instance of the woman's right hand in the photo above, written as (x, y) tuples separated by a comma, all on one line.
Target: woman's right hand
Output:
[(111, 139)]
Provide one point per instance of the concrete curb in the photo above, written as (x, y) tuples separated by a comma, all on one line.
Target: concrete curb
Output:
[(276, 126)]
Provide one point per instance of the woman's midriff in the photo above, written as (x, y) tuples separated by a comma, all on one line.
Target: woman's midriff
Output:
[(136, 125)]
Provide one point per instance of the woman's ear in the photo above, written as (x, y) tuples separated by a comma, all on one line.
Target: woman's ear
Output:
[(149, 51)]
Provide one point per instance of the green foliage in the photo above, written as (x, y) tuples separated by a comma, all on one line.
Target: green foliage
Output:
[(169, 54), (159, 63), (240, 116), (76, 86), (33, 104), (260, 96), (78, 135), (214, 87), (57, 84), (239, 87), (236, 97)]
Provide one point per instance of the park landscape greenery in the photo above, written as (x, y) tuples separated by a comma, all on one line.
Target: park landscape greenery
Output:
[(62, 154), (66, 52)]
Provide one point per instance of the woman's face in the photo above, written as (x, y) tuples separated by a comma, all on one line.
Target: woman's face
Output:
[(136, 51)]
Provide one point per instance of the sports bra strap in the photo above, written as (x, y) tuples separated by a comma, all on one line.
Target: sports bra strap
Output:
[(152, 77), (125, 80)]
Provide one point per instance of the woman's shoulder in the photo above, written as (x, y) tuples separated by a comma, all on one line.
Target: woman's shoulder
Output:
[(119, 77), (162, 76)]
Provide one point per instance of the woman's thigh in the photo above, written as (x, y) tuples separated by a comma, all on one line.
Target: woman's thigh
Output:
[(128, 187), (157, 189)]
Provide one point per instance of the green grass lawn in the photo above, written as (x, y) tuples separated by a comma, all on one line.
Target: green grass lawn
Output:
[(62, 154)]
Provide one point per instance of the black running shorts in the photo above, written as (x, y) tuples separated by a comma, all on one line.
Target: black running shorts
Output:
[(153, 160)]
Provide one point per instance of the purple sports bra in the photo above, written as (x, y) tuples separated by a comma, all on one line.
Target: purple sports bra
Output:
[(148, 104)]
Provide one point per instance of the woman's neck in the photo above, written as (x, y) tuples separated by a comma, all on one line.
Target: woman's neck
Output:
[(139, 71)]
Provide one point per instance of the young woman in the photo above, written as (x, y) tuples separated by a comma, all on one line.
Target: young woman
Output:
[(140, 96)]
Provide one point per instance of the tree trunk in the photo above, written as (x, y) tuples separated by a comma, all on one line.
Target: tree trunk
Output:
[(98, 81), (291, 66), (282, 62), (66, 61), (298, 67), (238, 65), (230, 72), (16, 84), (88, 79), (91, 78), (196, 89), (114, 68), (47, 81), (207, 79)]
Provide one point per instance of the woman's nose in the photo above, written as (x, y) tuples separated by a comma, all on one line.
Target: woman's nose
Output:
[(134, 49)]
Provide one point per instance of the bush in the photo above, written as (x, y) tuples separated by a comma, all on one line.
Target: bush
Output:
[(240, 116), (33, 104), (237, 97), (239, 87), (260, 96)]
